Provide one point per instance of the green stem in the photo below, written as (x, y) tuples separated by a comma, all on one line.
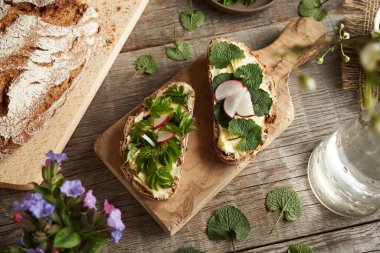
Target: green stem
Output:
[(137, 72), (234, 139), (278, 220), (232, 243)]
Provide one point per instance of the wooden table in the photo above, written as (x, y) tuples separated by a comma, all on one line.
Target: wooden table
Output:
[(284, 163)]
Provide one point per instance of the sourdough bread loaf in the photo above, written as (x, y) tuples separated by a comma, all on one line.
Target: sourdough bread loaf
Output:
[(44, 47)]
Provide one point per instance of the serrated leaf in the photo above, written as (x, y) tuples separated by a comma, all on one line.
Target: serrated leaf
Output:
[(221, 78), (66, 238), (312, 9), (285, 200), (178, 94), (189, 250), (248, 131), (261, 102), (299, 248), (192, 20), (220, 115), (160, 106), (223, 52), (251, 75), (146, 64), (131, 151), (181, 51), (228, 222)]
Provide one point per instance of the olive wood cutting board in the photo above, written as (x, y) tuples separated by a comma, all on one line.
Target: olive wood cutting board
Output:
[(203, 175), (118, 18)]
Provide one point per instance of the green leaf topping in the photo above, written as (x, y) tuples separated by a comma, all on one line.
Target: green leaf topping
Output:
[(261, 101), (131, 151), (312, 9), (178, 94), (251, 75), (189, 250), (228, 222), (223, 52), (221, 78), (299, 248), (140, 127), (286, 200), (160, 178), (145, 161), (184, 121), (247, 131), (158, 106), (181, 51), (229, 2), (66, 238), (192, 20), (220, 115), (146, 64), (169, 152)]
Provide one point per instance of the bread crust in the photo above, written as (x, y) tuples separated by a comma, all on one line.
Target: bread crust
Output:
[(269, 119), (127, 170)]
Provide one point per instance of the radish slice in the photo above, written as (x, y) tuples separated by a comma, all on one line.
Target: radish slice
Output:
[(149, 140), (157, 123), (231, 103), (228, 89), (245, 108), (164, 136)]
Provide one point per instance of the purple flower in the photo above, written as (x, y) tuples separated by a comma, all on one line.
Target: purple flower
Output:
[(35, 204), (36, 250), (90, 200), (116, 235), (55, 157), (108, 208), (21, 243), (114, 220), (72, 188)]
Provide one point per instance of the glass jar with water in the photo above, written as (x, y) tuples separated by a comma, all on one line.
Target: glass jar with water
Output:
[(344, 170)]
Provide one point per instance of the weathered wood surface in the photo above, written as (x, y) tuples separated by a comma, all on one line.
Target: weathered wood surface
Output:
[(284, 163)]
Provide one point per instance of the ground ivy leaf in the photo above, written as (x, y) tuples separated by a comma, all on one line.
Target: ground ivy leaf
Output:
[(312, 9), (299, 248), (146, 64), (181, 51), (221, 78), (228, 222), (189, 250), (286, 200), (220, 115), (251, 75), (223, 52), (261, 101), (248, 131), (191, 20)]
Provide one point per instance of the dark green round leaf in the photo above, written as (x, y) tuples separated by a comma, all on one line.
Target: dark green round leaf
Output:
[(228, 222), (300, 248), (223, 52), (261, 101), (191, 20), (248, 131), (181, 51), (251, 75), (220, 115), (146, 64), (286, 200), (221, 78), (66, 238), (312, 9)]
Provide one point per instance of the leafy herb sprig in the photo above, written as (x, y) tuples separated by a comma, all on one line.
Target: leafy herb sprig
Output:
[(178, 94)]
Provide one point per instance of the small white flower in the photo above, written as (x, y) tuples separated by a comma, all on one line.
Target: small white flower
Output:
[(307, 82), (346, 58), (346, 35), (370, 56), (320, 60)]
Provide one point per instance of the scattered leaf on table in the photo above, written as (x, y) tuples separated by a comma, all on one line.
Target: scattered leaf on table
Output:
[(181, 51), (299, 248), (191, 20), (146, 64), (312, 9)]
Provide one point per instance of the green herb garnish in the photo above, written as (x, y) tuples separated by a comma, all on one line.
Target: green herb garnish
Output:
[(223, 52), (178, 94), (261, 101), (221, 78), (299, 248), (180, 52), (169, 152), (220, 115), (229, 2), (141, 126), (160, 177), (131, 151), (312, 9), (158, 106), (251, 76), (247, 131), (192, 20), (286, 200), (228, 223), (145, 64), (184, 121)]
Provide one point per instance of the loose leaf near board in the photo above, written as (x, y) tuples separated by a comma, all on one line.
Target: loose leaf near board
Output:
[(181, 51), (223, 52), (228, 222), (299, 248), (312, 9), (146, 64), (192, 20), (286, 200)]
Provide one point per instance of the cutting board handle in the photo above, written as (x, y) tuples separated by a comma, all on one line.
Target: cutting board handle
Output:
[(299, 32)]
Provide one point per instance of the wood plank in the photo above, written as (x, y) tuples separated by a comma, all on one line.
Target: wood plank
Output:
[(161, 16), (283, 164), (117, 21)]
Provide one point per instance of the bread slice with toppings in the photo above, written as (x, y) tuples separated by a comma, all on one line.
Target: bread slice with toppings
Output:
[(154, 141), (244, 96)]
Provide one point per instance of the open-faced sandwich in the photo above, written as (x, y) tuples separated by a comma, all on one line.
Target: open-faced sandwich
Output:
[(155, 139), (244, 100)]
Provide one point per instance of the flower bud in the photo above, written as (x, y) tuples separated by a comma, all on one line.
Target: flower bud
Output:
[(341, 26), (17, 217), (307, 82), (346, 35), (346, 58), (320, 60)]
